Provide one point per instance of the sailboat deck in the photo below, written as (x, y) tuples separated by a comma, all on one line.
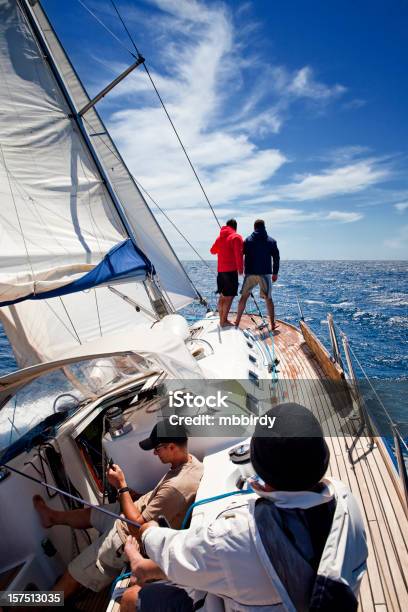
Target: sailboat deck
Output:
[(384, 587)]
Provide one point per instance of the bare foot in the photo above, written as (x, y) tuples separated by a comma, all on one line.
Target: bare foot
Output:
[(44, 512), (132, 552), (236, 323), (227, 324), (135, 558)]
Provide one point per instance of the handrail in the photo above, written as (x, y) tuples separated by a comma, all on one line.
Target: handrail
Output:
[(334, 341), (201, 340), (365, 420), (402, 468), (399, 442)]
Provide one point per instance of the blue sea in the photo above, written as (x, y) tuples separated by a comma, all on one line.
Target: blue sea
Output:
[(368, 300)]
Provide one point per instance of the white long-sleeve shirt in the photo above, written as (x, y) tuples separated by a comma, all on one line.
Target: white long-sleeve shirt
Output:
[(226, 558)]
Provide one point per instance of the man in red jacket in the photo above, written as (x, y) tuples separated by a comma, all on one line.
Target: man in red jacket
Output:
[(229, 248)]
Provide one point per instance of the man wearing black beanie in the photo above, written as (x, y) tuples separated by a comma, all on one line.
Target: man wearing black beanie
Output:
[(296, 544), (293, 455)]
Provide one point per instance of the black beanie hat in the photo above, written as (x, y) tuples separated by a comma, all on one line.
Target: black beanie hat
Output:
[(293, 455)]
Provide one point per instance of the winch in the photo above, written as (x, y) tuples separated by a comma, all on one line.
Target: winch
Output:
[(116, 422), (241, 457)]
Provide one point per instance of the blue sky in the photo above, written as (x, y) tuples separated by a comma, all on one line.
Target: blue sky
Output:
[(291, 111)]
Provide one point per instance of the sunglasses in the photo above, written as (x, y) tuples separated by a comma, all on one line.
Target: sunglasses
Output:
[(162, 445)]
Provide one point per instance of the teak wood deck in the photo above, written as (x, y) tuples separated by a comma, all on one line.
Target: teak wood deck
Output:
[(371, 479)]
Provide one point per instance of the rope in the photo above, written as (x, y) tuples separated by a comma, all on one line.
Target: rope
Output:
[(73, 497), (272, 357), (12, 421)]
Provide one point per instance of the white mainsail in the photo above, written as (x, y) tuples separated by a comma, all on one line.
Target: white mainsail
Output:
[(58, 216), (149, 236)]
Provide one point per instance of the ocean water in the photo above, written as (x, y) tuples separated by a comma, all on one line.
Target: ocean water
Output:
[(368, 300)]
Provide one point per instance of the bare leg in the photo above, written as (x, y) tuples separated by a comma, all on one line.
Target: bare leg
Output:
[(221, 308), (227, 302), (68, 584), (78, 519), (129, 599), (271, 312), (142, 569), (241, 307)]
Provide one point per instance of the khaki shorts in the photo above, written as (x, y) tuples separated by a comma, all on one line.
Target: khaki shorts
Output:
[(98, 564), (252, 280)]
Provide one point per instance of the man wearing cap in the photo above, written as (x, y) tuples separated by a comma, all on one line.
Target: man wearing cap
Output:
[(100, 562), (296, 542)]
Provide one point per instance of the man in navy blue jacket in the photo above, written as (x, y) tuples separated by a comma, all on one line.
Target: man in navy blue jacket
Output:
[(259, 251)]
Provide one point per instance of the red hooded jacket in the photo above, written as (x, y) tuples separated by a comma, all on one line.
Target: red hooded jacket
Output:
[(229, 247)]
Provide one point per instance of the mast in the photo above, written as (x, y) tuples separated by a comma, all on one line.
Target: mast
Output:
[(136, 211)]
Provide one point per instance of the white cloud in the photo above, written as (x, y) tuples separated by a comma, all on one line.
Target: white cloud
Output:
[(222, 99), (304, 85), (219, 109), (401, 206), (344, 217), (336, 181), (399, 240)]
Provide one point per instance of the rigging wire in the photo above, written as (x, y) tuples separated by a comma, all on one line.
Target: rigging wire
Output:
[(137, 56), (97, 310), (154, 202), (70, 320), (126, 29), (172, 223), (61, 321), (386, 412), (182, 145), (17, 215), (106, 28)]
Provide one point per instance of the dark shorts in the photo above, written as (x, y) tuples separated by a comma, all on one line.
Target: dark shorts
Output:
[(164, 597), (227, 283)]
